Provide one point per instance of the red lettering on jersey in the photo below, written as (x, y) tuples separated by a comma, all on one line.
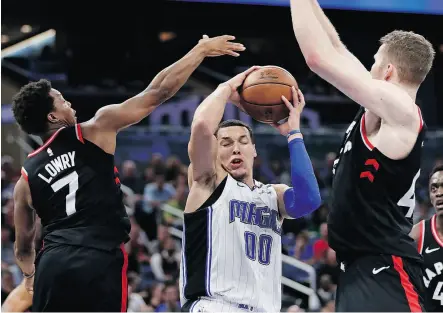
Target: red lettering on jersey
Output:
[(373, 162), (367, 175)]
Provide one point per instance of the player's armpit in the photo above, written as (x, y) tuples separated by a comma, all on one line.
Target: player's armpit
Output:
[(25, 226), (280, 190), (382, 98), (417, 234), (19, 300)]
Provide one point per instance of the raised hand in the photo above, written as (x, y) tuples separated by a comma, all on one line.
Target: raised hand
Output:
[(220, 45), (295, 110)]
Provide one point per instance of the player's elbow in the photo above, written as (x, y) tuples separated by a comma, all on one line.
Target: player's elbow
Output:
[(314, 61)]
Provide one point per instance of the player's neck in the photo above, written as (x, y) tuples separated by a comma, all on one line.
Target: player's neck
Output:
[(410, 90), (50, 132), (439, 224), (249, 181)]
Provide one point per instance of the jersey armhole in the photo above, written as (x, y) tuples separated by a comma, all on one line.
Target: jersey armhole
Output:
[(421, 237), (24, 174), (421, 119), (78, 133)]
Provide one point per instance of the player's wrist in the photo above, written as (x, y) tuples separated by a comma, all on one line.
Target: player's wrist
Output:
[(294, 133), (29, 274)]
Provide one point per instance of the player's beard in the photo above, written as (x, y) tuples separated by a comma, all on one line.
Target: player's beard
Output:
[(238, 177)]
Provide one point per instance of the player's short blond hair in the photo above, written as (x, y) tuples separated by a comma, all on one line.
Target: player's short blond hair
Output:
[(411, 54)]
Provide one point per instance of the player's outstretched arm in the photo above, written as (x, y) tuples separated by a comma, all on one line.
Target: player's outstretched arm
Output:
[(333, 35), (112, 118), (202, 144), (304, 195), (386, 100), (19, 300), (25, 228)]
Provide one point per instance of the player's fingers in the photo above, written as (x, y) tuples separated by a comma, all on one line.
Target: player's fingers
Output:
[(287, 103), (234, 54), (228, 37), (295, 98), (236, 46), (250, 70)]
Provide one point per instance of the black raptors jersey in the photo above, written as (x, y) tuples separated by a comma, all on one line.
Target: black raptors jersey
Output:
[(76, 192), (373, 197), (431, 247)]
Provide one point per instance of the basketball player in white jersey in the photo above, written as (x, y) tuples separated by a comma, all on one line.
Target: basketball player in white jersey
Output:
[(232, 224)]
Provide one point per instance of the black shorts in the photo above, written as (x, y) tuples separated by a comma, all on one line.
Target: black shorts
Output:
[(380, 284), (80, 279)]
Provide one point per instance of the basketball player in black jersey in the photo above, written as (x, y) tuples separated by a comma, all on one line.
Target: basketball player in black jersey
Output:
[(71, 183), (429, 237), (372, 197)]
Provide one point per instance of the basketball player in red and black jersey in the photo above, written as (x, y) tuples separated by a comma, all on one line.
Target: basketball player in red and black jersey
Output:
[(429, 237), (71, 183), (373, 192)]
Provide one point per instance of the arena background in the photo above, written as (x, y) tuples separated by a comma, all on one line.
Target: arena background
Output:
[(97, 53)]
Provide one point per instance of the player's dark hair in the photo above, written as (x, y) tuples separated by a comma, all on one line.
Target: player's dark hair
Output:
[(437, 168), (230, 123), (31, 106)]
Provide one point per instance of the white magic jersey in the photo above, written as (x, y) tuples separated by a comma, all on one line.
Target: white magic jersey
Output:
[(232, 249)]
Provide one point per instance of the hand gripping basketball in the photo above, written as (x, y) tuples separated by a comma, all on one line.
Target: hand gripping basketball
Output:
[(234, 84), (295, 110)]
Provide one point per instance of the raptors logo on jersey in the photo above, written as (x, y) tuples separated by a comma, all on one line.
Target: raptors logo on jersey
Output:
[(431, 247), (232, 248), (76, 193), (373, 197)]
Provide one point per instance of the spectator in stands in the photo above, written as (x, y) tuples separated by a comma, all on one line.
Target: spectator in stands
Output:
[(163, 235), (170, 299), (330, 267), (321, 245), (165, 264), (173, 168), (158, 192), (156, 295), (7, 246), (135, 301), (149, 175), (326, 291), (7, 282), (129, 177), (329, 307), (154, 196), (303, 250)]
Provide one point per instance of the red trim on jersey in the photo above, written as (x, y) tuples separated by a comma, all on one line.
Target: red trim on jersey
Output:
[(411, 294), (421, 236), (117, 180), (115, 169), (46, 143), (364, 135), (373, 162), (421, 119), (368, 175), (78, 133), (24, 173), (434, 230), (124, 301)]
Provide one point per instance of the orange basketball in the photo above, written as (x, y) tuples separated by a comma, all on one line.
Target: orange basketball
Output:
[(262, 90)]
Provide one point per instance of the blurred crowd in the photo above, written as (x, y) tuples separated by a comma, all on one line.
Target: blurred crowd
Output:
[(155, 247)]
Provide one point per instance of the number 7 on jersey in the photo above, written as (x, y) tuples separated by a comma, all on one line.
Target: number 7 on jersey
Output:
[(72, 180)]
